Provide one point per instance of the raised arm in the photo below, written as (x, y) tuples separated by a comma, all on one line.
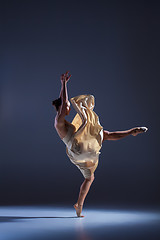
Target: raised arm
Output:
[(121, 134), (64, 79), (62, 111), (60, 123)]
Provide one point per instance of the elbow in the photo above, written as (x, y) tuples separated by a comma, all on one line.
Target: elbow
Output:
[(64, 102)]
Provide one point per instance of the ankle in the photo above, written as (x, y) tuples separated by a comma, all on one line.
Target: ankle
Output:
[(80, 205)]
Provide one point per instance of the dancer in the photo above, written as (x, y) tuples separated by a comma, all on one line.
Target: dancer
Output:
[(84, 136)]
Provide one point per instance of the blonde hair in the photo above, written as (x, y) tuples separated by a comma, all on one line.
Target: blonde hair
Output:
[(84, 105)]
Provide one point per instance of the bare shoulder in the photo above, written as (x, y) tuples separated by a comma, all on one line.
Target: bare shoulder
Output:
[(62, 127)]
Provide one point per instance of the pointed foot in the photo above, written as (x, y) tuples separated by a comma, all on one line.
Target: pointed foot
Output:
[(144, 129), (78, 209)]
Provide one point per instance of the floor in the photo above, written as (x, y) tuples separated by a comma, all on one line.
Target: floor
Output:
[(60, 222)]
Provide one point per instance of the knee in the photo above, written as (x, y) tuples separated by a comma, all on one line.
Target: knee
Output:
[(91, 178)]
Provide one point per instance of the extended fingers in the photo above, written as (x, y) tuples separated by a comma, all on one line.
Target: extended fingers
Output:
[(65, 76), (68, 77)]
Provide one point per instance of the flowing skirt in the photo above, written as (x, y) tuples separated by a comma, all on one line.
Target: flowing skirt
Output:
[(83, 145)]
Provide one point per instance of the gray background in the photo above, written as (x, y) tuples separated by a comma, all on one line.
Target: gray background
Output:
[(111, 49)]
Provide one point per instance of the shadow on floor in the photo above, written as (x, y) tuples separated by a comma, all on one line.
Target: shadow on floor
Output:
[(16, 218)]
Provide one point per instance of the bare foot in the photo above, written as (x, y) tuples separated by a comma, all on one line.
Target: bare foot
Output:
[(78, 209), (138, 130)]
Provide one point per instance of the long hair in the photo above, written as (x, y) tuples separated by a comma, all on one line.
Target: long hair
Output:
[(57, 103)]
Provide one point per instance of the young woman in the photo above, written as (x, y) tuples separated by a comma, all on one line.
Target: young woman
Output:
[(84, 136)]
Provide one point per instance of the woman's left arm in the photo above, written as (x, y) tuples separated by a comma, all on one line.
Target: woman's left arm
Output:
[(64, 96)]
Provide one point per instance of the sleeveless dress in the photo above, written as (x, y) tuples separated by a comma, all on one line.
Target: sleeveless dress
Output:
[(83, 145)]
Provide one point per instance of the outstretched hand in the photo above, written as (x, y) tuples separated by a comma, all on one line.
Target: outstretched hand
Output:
[(65, 77), (138, 130)]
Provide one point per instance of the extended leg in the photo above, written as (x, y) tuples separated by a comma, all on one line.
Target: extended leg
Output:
[(121, 134), (82, 194)]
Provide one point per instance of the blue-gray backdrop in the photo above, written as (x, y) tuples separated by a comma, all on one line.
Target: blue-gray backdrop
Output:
[(111, 49)]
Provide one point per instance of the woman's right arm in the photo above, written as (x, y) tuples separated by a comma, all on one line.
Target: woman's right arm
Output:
[(64, 98)]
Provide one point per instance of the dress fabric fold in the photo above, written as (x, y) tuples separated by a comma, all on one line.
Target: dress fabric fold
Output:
[(83, 144)]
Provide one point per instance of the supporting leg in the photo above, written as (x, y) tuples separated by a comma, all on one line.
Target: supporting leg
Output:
[(82, 194)]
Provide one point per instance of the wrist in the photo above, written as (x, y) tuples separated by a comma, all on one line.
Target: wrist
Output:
[(63, 82)]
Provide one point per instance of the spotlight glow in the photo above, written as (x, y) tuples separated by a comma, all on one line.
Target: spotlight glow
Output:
[(47, 222)]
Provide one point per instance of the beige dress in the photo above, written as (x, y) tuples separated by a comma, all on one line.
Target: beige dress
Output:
[(83, 145)]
